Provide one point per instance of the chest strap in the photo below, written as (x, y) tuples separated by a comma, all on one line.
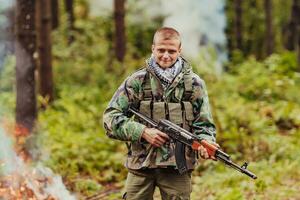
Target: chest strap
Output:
[(147, 91), (188, 87)]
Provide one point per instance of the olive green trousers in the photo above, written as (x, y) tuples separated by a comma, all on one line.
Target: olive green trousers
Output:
[(172, 185)]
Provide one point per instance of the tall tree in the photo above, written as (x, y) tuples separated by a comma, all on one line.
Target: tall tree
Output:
[(291, 32), (269, 35), (120, 41), (251, 29), (238, 24), (296, 35), (55, 13), (69, 4), (44, 27), (25, 45), (298, 47)]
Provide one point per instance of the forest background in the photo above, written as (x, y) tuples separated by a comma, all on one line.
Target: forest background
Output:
[(60, 66)]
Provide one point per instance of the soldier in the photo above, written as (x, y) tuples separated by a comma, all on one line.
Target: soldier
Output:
[(165, 88)]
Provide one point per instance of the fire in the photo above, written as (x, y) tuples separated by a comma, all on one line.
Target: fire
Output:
[(20, 192), (19, 180)]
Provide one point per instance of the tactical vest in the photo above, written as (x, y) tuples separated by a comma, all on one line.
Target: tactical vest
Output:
[(178, 110), (180, 113)]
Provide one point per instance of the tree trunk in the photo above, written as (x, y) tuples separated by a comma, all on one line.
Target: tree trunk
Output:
[(296, 15), (250, 42), (55, 14), (71, 19), (25, 46), (291, 32), (120, 43), (44, 27), (298, 34), (269, 37), (238, 24)]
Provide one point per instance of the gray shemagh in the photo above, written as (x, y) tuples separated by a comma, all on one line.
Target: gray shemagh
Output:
[(166, 76)]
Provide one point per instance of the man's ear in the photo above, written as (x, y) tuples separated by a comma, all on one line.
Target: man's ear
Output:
[(152, 48), (179, 50)]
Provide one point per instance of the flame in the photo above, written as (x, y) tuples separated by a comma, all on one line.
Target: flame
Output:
[(23, 181)]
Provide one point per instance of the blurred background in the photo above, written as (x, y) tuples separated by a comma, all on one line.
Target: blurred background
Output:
[(61, 61)]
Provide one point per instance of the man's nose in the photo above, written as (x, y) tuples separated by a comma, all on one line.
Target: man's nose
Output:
[(166, 54)]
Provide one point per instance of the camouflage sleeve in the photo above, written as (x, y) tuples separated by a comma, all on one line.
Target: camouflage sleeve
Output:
[(203, 124), (116, 123)]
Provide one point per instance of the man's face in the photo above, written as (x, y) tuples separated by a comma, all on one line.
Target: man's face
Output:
[(166, 52)]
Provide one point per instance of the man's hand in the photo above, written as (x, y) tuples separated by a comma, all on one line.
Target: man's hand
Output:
[(204, 154), (155, 136)]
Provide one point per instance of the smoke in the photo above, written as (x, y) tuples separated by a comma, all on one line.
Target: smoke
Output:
[(101, 8), (41, 180), (4, 4), (54, 186), (9, 162), (200, 22)]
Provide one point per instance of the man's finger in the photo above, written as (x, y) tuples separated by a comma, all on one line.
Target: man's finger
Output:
[(164, 135), (206, 156), (201, 148), (160, 139), (157, 144), (203, 152), (213, 158)]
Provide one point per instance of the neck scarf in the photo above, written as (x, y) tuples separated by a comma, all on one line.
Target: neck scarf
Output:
[(167, 75)]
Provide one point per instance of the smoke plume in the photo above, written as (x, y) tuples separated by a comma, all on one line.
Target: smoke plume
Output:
[(200, 22)]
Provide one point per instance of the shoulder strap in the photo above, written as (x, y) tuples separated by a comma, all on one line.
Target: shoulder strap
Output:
[(188, 86), (147, 91)]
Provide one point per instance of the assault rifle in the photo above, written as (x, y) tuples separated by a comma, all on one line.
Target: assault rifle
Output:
[(183, 137)]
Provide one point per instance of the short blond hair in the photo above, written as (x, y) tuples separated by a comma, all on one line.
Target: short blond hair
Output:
[(167, 33)]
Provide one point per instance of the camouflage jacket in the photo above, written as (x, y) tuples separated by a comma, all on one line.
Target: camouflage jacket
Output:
[(133, 91)]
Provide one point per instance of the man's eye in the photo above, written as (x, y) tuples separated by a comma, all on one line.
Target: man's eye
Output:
[(161, 50), (172, 52)]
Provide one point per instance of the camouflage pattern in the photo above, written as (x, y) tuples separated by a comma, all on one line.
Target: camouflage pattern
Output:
[(119, 126)]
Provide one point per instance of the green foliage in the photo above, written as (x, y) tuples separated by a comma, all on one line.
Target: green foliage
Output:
[(87, 186), (73, 130), (7, 78), (254, 28), (7, 83), (256, 109), (271, 80), (7, 104)]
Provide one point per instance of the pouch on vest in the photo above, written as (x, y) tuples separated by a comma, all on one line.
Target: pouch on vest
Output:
[(189, 114), (145, 108), (175, 113), (159, 111)]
